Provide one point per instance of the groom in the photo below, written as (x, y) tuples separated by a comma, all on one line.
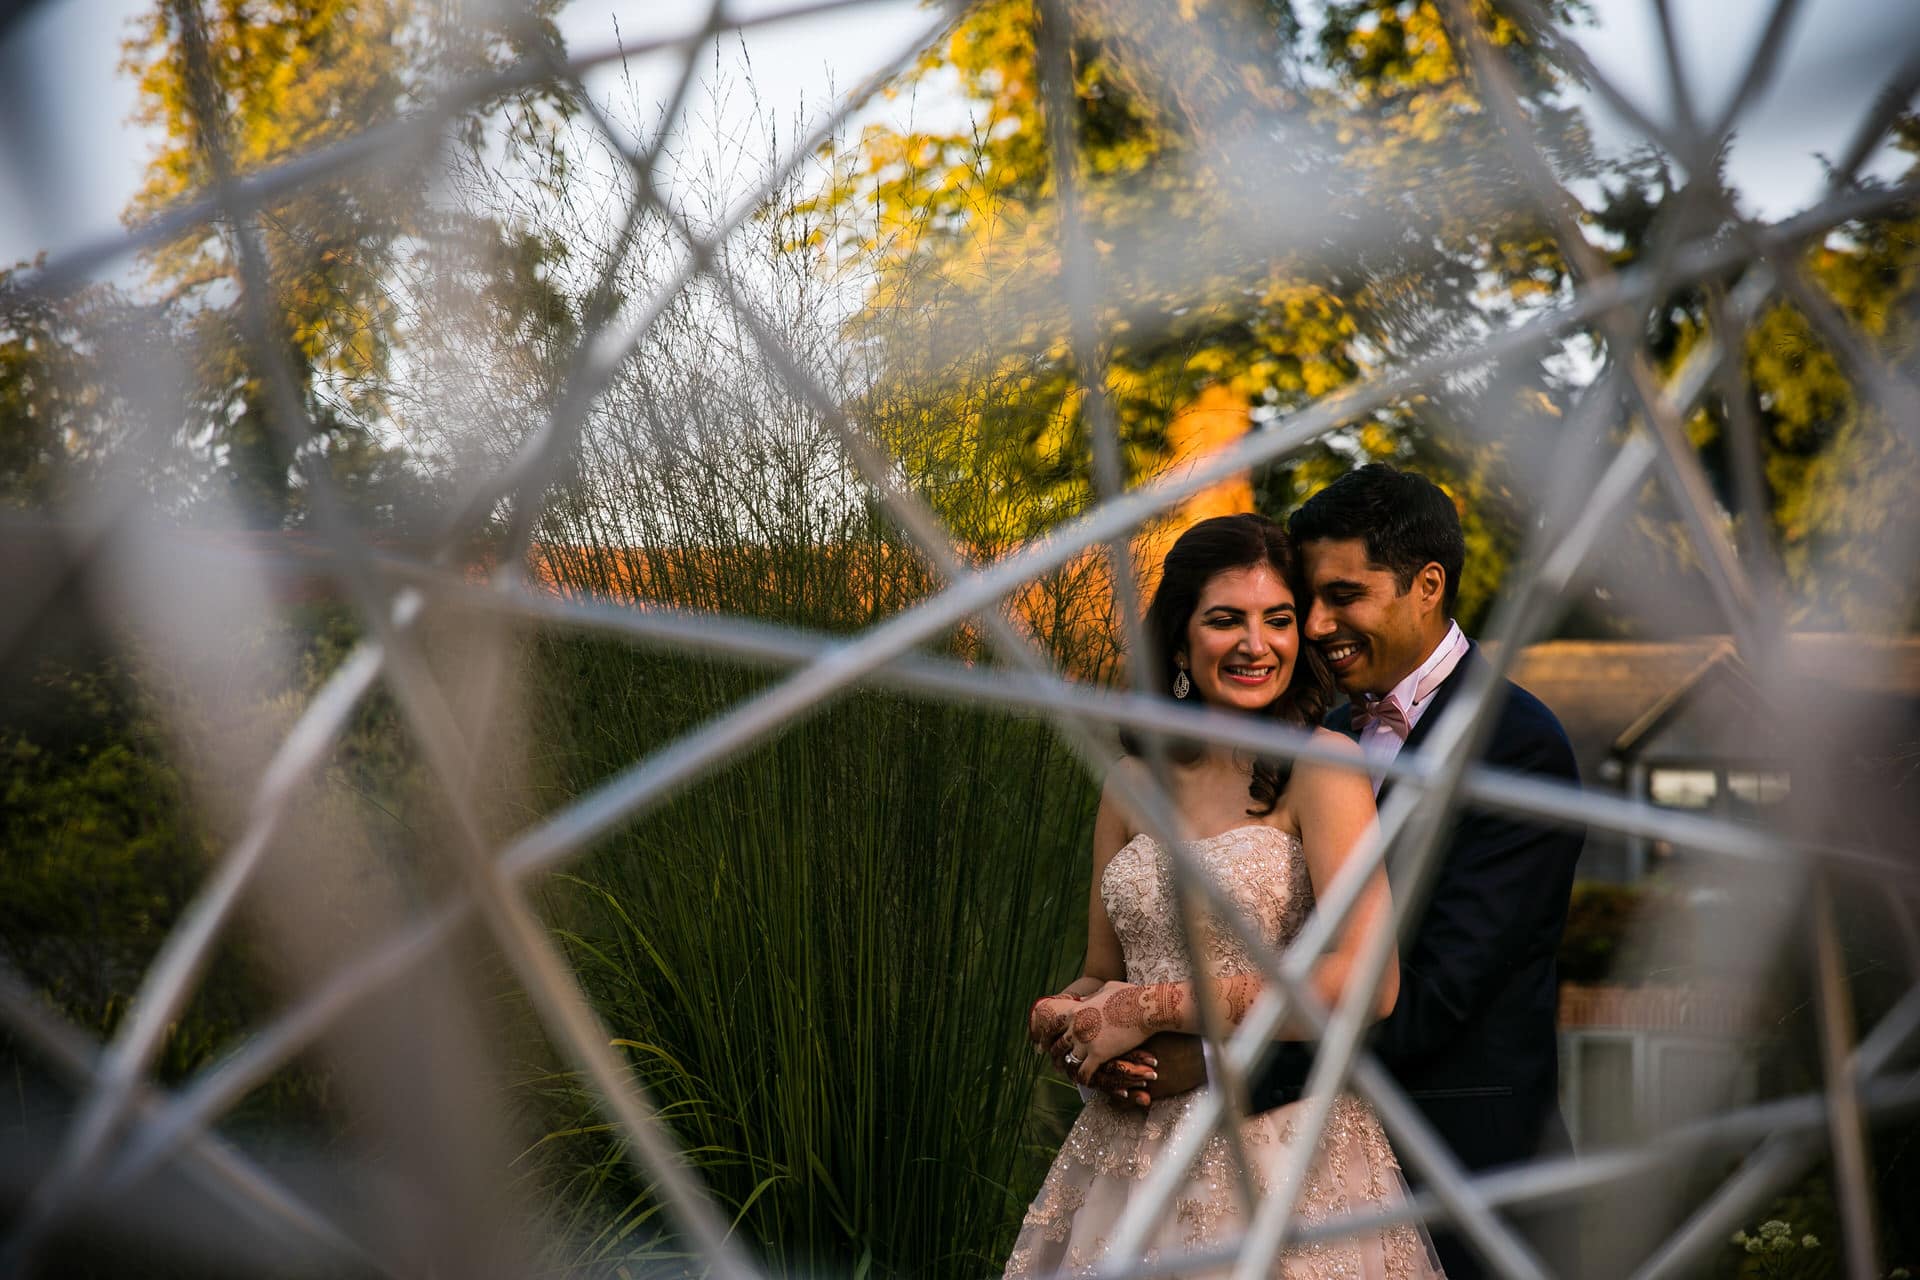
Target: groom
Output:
[(1472, 1037)]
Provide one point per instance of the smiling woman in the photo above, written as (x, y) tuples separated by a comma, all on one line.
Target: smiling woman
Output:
[(1225, 617), (1242, 640)]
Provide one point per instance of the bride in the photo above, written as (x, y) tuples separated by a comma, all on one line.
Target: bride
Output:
[(1225, 624)]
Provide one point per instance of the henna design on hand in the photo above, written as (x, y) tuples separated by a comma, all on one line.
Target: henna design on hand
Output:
[(1125, 1008), (1164, 1004), (1086, 1025), (1240, 993), (1043, 1026)]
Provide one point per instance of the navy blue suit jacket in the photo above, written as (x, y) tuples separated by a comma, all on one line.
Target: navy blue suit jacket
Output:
[(1472, 1037)]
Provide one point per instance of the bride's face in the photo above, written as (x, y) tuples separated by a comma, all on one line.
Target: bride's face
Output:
[(1242, 638)]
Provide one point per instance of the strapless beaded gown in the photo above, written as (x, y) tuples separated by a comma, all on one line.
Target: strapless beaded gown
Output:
[(1112, 1147)]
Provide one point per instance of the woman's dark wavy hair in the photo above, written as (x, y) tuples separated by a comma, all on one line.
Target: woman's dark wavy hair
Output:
[(1208, 548)]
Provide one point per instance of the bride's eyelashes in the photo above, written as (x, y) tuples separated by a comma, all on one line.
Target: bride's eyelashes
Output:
[(1278, 620)]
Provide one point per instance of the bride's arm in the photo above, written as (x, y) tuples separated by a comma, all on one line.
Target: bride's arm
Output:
[(1334, 807), (1048, 1017)]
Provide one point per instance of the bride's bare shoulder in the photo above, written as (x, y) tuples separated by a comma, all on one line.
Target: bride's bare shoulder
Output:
[(1120, 815), (1334, 740), (1317, 784)]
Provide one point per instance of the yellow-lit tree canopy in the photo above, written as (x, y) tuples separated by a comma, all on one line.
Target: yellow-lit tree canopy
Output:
[(1400, 224), (1397, 226), (290, 77)]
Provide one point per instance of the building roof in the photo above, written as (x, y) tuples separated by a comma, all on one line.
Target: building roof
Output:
[(1614, 696)]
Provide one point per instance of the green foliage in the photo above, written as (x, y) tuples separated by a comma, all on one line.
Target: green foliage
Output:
[(101, 849), (98, 852), (1836, 466), (1600, 919), (65, 409), (283, 79)]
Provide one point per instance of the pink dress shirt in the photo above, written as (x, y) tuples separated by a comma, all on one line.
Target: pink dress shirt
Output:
[(1386, 721)]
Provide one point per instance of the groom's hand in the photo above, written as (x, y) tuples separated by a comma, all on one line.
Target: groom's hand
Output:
[(1165, 1064), (1124, 1079), (1178, 1065)]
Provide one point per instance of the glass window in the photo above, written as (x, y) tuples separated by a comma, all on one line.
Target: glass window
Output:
[(1757, 786), (1607, 1110), (1683, 788)]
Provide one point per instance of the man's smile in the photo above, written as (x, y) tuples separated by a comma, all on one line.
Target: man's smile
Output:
[(1341, 654)]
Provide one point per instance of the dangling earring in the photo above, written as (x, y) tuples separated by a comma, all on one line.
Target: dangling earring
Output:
[(1181, 685)]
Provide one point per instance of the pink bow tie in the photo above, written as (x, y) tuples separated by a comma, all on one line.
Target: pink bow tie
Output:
[(1386, 711)]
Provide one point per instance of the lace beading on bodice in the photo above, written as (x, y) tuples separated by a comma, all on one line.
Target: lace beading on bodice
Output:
[(1262, 870)]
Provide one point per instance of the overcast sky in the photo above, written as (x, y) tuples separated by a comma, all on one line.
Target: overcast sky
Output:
[(61, 95)]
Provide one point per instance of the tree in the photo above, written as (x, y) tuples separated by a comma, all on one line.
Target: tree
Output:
[(288, 77), (1420, 234), (75, 395), (1836, 463)]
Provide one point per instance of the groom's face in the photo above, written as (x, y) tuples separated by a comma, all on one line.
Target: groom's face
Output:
[(1372, 633)]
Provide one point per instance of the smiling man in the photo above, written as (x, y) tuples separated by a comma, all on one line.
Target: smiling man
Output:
[(1473, 1037)]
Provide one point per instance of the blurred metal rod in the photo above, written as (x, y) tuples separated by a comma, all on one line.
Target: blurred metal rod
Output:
[(1566, 1178), (1888, 105), (104, 1110), (1761, 1176), (1846, 1127), (592, 361), (1883, 382), (1785, 1153), (217, 1089), (1053, 36), (603, 350), (218, 1168), (252, 192), (1761, 67), (1680, 466), (1781, 1122), (1488, 786)]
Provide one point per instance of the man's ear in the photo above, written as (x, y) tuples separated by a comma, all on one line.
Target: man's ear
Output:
[(1430, 585)]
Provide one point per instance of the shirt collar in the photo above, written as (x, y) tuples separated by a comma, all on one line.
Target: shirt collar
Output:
[(1412, 693)]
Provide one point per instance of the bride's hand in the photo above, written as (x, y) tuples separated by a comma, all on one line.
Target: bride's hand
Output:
[(1106, 1025), (1048, 1019)]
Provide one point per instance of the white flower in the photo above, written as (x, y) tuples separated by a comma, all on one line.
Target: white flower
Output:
[(1809, 1241), (1775, 1227)]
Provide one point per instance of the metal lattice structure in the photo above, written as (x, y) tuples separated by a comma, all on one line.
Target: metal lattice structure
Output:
[(127, 1127)]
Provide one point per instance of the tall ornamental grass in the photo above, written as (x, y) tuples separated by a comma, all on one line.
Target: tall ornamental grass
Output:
[(818, 963), (819, 959)]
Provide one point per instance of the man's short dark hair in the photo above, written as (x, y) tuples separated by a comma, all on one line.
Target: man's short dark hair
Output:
[(1405, 520)]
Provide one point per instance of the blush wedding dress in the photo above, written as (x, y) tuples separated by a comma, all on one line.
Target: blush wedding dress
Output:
[(1114, 1145)]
